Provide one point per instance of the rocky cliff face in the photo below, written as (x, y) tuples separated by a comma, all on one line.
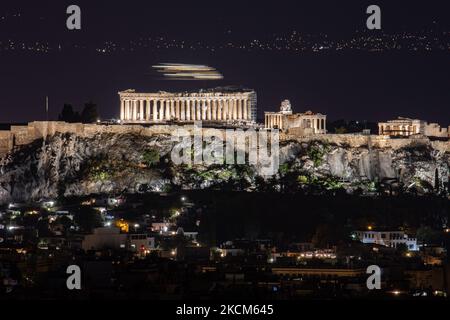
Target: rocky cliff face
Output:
[(67, 164)]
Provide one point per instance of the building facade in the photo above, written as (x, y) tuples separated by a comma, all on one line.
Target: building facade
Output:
[(405, 127), (402, 127), (112, 238), (306, 123), (388, 238), (222, 105)]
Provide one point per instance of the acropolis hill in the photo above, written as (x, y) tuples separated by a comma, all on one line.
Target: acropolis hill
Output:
[(54, 159), (47, 159)]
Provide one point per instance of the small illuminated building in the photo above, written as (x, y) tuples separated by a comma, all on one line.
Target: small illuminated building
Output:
[(390, 239), (403, 127), (112, 238), (306, 123)]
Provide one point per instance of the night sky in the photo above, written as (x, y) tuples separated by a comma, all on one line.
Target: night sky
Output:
[(344, 84)]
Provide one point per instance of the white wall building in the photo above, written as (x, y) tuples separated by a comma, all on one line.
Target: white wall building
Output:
[(388, 238), (111, 238)]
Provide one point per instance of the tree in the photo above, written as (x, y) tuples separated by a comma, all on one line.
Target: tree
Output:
[(68, 114), (151, 157), (340, 130), (323, 236), (327, 235), (88, 218), (427, 235), (89, 113), (401, 249)]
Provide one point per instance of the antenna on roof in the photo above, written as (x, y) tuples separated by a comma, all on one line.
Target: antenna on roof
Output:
[(46, 107)]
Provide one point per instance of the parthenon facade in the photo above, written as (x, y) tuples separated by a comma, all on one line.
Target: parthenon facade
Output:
[(205, 105)]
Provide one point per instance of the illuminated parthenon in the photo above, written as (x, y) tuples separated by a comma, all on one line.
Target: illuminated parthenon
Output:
[(206, 105)]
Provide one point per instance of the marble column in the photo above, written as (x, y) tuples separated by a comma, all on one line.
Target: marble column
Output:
[(213, 110), (171, 110), (147, 110), (155, 110), (240, 112), (122, 108), (141, 110), (227, 109), (133, 108), (178, 109), (193, 112), (168, 109), (224, 109), (162, 109), (188, 110), (125, 110), (182, 110), (202, 110), (208, 109), (198, 108), (219, 109)]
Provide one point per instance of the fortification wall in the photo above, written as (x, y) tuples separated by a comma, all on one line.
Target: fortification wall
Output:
[(375, 141), (22, 135)]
